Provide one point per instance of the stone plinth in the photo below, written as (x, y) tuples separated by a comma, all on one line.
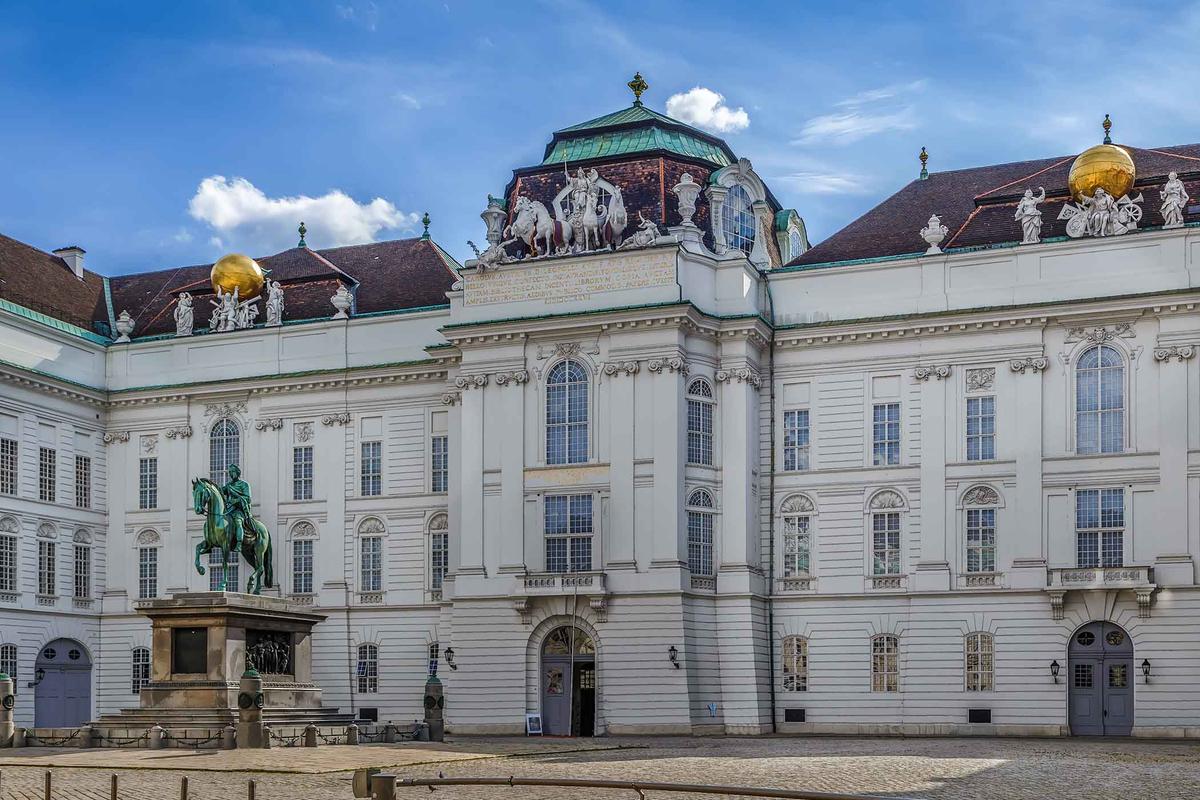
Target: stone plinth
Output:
[(199, 653)]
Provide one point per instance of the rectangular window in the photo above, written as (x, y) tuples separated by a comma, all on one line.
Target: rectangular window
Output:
[(83, 572), (219, 571), (47, 474), (795, 664), (302, 473), (439, 552), (141, 669), (439, 464), (797, 545), (8, 466), (302, 566), (568, 528), (981, 540), (795, 440), (699, 432), (885, 434), (700, 542), (370, 575), (147, 573), (980, 665), (47, 575), (148, 483), (981, 428), (8, 663), (885, 529), (885, 664), (83, 482), (368, 669), (372, 468), (1100, 527), (8, 563)]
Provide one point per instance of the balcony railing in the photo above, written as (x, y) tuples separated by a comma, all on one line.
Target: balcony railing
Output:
[(795, 583), (559, 583), (1101, 578)]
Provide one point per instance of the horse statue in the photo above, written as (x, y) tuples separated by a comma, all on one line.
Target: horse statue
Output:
[(208, 501), (533, 225)]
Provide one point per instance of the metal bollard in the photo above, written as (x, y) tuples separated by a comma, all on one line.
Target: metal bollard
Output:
[(183, 788), (310, 736), (250, 791), (112, 787), (351, 734), (47, 787), (229, 737), (383, 786)]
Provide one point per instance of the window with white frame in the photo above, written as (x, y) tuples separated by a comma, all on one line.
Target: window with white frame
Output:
[(302, 558), (8, 663), (795, 439), (147, 573), (737, 219), (700, 422), (795, 664), (224, 448), (439, 550), (302, 472), (885, 543), (885, 434), (1100, 401), (795, 244), (148, 483), (83, 482), (1100, 528), (796, 514), (139, 669), (47, 474), (981, 428), (8, 466), (8, 554), (568, 532), (83, 571), (700, 532), (981, 540), (439, 464), (368, 669), (980, 664), (370, 564), (567, 414), (885, 663), (219, 571), (47, 567), (372, 469)]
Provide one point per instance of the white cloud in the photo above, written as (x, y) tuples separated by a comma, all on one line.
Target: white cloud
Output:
[(826, 183), (408, 101), (853, 126), (706, 109), (183, 236), (248, 219), (882, 93)]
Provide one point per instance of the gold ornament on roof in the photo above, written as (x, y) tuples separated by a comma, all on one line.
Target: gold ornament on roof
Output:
[(637, 86), (238, 271), (1105, 166)]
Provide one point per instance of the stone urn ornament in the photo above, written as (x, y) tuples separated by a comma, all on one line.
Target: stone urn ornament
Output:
[(933, 233), (125, 324), (341, 301), (687, 190)]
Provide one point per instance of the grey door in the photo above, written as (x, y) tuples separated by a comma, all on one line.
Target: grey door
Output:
[(1100, 681), (63, 695), (556, 696)]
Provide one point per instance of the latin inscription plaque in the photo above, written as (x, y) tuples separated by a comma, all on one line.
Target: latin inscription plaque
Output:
[(566, 279)]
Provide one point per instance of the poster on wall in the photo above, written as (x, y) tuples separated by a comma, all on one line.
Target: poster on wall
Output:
[(554, 680)]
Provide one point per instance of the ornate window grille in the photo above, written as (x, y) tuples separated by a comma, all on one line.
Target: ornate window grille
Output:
[(567, 414)]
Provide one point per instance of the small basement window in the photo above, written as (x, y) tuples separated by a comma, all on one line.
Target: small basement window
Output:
[(979, 715)]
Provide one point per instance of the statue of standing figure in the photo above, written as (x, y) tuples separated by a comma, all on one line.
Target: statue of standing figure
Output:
[(184, 315), (224, 315), (274, 304), (1030, 216), (1175, 199), (1101, 209)]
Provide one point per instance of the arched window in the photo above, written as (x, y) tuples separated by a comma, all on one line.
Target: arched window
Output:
[(8, 663), (885, 664), (1100, 401), (737, 219), (139, 669), (980, 666), (700, 532), (439, 550), (700, 422), (148, 542), (796, 513), (795, 664), (303, 537), (795, 244), (981, 504), (8, 554), (370, 555), (567, 414), (224, 448), (368, 669)]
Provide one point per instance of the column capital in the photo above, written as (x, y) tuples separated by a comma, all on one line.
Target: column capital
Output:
[(1178, 353), (1031, 363), (939, 371), (739, 374)]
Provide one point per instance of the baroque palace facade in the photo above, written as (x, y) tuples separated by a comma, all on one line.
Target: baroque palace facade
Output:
[(649, 463)]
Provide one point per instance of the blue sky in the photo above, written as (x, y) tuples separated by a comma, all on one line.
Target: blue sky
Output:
[(158, 134)]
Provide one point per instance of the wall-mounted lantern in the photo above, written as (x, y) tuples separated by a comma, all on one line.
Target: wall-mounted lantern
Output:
[(673, 654), (449, 653), (1145, 670), (1054, 668)]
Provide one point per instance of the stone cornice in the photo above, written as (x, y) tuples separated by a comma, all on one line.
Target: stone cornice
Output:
[(10, 373)]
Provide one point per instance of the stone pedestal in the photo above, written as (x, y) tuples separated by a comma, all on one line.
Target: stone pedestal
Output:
[(8, 701), (251, 731), (204, 642), (435, 704)]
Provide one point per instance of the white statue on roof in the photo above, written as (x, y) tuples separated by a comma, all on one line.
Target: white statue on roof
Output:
[(184, 315), (1030, 216), (644, 236), (594, 225), (274, 304), (1102, 215), (1175, 199), (933, 233), (230, 313)]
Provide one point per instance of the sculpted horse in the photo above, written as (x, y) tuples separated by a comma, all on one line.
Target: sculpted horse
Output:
[(534, 225), (256, 549)]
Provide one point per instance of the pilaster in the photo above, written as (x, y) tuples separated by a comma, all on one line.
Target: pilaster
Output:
[(1029, 554), (933, 570), (1173, 566), (471, 497), (622, 380), (667, 376)]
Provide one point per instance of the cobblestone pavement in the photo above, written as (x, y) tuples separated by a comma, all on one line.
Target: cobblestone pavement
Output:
[(1009, 769)]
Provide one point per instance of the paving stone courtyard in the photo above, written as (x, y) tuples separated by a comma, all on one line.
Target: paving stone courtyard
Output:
[(1009, 769)]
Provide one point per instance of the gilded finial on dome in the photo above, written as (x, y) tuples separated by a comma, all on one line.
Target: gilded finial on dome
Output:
[(924, 163), (637, 86), (425, 221), (303, 230), (1107, 128)]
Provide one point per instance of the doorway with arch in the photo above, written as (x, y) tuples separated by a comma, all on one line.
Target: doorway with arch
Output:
[(1100, 681), (62, 695), (567, 677)]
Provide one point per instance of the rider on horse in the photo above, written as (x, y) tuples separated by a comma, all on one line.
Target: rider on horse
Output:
[(237, 502)]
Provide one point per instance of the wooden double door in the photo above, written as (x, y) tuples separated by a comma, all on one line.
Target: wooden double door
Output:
[(1100, 681)]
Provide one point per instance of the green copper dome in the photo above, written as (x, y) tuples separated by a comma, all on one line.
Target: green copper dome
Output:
[(632, 130)]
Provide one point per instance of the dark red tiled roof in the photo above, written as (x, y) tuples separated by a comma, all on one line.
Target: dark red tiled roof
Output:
[(977, 205), (403, 273), (43, 282)]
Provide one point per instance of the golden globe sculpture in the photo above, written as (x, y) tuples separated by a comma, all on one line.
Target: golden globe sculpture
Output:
[(1104, 166), (238, 271)]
